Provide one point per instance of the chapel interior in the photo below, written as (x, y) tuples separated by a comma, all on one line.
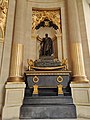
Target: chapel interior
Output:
[(44, 59)]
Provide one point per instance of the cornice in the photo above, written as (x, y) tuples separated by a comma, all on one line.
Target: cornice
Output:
[(45, 1)]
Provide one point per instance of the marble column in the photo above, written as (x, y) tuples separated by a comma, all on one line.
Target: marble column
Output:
[(79, 75), (6, 53), (16, 64), (20, 16)]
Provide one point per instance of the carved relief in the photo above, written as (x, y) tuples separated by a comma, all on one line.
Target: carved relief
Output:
[(39, 16), (3, 14)]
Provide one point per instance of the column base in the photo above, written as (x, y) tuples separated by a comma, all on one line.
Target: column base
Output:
[(80, 95), (83, 111), (15, 79), (80, 79), (14, 96), (11, 113)]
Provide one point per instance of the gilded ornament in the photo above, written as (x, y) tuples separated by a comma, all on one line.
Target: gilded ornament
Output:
[(35, 79), (46, 23), (39, 16), (3, 15), (1, 1), (64, 63), (59, 79), (35, 89), (30, 64), (60, 91)]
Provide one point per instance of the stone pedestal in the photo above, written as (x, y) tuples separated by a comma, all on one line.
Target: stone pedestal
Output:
[(13, 100), (47, 96), (81, 98), (48, 107)]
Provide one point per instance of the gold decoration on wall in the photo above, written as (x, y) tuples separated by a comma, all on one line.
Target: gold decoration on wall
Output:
[(39, 16), (3, 16)]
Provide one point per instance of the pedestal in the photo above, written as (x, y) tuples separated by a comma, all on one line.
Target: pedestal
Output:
[(81, 98), (47, 96), (13, 100)]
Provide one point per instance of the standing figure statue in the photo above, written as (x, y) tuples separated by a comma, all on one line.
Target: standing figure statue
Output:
[(46, 46)]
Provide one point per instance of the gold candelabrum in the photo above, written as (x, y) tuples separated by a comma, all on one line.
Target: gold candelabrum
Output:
[(16, 64)]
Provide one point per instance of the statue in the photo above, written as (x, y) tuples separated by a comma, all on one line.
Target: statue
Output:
[(46, 46)]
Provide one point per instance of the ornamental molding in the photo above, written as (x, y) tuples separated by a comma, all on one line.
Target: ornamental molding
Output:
[(3, 16), (39, 16), (45, 1)]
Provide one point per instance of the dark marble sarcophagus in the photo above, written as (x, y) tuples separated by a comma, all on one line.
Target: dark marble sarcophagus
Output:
[(48, 96), (47, 93), (48, 80)]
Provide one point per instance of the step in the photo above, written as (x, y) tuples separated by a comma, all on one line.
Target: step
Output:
[(44, 100), (47, 111)]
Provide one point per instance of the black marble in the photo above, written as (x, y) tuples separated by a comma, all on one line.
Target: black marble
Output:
[(43, 100), (48, 107), (48, 82), (47, 61), (47, 104)]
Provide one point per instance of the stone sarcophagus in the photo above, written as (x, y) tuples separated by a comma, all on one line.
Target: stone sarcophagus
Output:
[(51, 81)]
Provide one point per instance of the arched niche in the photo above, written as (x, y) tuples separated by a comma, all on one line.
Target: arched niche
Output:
[(55, 35), (47, 22)]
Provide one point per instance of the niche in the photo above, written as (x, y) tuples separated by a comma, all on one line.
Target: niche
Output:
[(47, 22)]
